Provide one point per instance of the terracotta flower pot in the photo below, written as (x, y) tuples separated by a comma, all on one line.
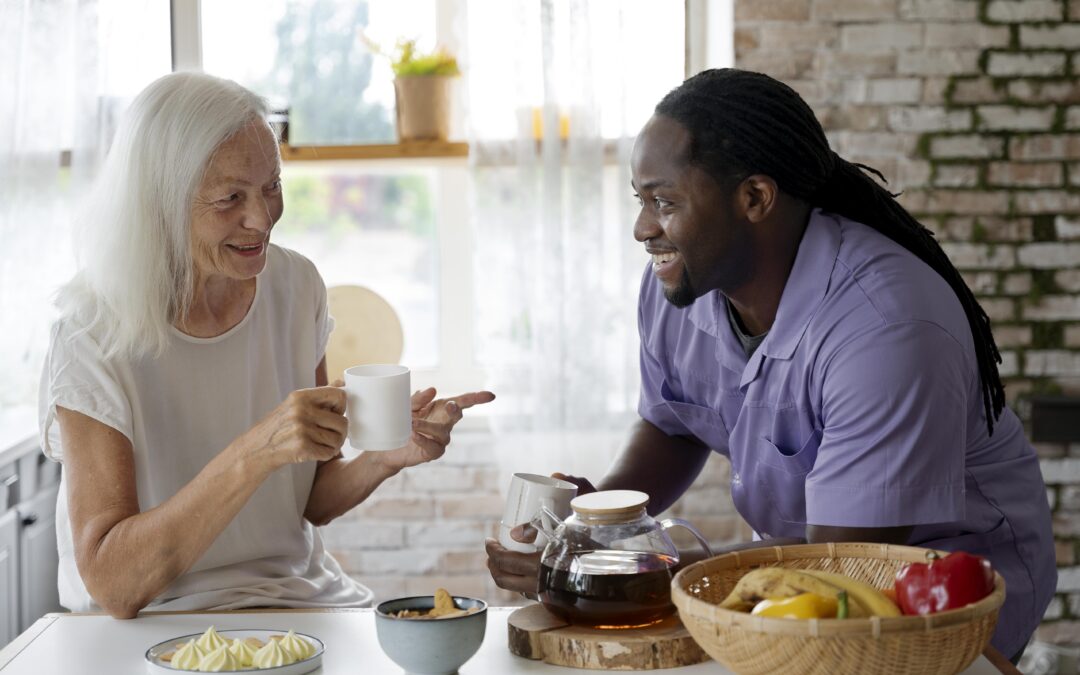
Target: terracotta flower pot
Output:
[(423, 107)]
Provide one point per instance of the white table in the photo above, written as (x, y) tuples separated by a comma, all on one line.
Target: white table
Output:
[(94, 643)]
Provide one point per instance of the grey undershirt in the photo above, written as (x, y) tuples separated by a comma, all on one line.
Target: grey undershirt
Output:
[(749, 342)]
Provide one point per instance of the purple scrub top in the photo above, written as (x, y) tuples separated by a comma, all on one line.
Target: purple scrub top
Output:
[(862, 408)]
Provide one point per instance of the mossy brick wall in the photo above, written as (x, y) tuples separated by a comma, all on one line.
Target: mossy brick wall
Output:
[(972, 109)]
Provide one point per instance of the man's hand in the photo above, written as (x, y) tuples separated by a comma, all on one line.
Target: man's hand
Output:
[(584, 487), (519, 571), (512, 570)]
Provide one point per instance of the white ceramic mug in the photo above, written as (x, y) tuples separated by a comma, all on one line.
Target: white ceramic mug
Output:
[(379, 406), (528, 492)]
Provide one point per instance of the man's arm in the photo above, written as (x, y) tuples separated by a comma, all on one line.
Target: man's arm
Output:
[(657, 464)]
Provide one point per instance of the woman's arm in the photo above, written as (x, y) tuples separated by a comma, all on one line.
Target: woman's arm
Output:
[(126, 557)]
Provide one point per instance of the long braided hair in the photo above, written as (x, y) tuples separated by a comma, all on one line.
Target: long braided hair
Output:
[(743, 123)]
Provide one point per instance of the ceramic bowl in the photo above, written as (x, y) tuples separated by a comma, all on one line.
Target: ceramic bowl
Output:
[(430, 646)]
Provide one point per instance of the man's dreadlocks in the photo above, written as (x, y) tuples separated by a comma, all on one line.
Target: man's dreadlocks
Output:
[(742, 123)]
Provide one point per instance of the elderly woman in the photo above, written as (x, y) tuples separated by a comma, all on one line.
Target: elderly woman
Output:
[(185, 386)]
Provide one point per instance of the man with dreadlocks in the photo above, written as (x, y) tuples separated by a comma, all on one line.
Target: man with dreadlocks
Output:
[(798, 320)]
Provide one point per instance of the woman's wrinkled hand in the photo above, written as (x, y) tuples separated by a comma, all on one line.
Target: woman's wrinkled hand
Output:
[(432, 421), (309, 425)]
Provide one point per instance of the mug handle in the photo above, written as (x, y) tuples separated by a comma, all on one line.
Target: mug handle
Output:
[(679, 522), (545, 520)]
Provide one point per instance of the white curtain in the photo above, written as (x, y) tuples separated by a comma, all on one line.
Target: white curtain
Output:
[(68, 68), (557, 89)]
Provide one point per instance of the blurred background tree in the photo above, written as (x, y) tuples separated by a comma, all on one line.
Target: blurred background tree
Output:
[(321, 73)]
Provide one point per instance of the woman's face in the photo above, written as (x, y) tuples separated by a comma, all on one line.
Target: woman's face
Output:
[(236, 205)]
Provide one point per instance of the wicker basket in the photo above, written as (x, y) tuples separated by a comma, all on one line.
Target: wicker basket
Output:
[(943, 643)]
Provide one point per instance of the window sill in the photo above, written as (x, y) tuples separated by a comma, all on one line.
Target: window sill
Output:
[(412, 150)]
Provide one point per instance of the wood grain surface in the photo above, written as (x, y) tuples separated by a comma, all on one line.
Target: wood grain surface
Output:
[(535, 633)]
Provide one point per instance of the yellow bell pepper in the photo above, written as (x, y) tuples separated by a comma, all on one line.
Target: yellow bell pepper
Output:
[(802, 606)]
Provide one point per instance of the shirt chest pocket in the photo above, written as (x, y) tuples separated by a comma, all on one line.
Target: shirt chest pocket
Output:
[(780, 450), (702, 421)]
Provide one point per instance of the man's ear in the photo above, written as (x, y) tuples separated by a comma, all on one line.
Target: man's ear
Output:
[(757, 196)]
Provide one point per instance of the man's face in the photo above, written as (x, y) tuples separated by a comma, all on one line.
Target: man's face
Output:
[(687, 221)]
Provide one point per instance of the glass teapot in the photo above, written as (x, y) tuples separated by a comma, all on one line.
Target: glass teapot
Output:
[(609, 565)]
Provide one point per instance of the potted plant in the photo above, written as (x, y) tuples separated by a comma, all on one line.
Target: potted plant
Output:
[(421, 90)]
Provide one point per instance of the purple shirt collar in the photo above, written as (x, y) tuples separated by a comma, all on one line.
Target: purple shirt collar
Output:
[(803, 293)]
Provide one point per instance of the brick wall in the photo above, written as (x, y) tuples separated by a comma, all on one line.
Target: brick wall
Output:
[(972, 108)]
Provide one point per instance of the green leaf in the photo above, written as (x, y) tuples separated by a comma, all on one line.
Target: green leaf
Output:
[(408, 62)]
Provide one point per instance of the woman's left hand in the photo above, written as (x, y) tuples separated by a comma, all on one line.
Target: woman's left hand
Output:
[(433, 419)]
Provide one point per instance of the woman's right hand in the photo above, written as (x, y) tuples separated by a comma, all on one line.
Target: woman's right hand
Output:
[(309, 425), (519, 572)]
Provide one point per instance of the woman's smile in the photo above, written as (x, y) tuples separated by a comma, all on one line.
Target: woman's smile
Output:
[(247, 250)]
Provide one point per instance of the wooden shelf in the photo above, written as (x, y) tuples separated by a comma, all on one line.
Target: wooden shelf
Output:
[(416, 149)]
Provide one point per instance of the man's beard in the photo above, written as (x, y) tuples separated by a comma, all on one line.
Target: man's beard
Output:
[(682, 295)]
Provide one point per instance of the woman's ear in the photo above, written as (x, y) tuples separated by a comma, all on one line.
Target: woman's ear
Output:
[(757, 196)]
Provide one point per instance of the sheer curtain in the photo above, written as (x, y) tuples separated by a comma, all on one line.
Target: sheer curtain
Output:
[(557, 89), (69, 67)]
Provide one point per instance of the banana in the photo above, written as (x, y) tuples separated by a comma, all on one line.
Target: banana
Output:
[(778, 582), (871, 599)]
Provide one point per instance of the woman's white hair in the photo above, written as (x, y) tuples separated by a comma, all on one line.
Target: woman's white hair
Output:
[(135, 272)]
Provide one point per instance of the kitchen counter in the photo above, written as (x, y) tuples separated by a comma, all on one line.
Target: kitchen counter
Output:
[(96, 643)]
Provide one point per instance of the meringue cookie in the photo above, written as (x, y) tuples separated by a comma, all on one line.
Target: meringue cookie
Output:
[(210, 640), (297, 646), (271, 655), (220, 660), (188, 656), (243, 652)]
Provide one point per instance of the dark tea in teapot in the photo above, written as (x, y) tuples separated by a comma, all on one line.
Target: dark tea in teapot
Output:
[(609, 588)]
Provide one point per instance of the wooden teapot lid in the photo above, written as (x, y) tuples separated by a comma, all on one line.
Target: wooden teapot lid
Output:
[(609, 504)]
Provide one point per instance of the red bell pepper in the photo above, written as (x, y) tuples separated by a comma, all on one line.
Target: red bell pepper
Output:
[(956, 580)]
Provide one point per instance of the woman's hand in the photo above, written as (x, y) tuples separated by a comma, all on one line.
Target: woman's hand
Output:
[(309, 425), (433, 419)]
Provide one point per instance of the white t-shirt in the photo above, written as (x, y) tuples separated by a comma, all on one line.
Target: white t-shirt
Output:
[(179, 411)]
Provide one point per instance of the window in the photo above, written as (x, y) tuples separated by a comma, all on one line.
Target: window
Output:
[(375, 229), (307, 56), (72, 69), (351, 217)]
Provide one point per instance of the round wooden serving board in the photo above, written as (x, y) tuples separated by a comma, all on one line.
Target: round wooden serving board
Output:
[(535, 633)]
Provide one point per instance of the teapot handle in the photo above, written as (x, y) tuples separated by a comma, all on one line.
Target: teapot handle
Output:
[(679, 522)]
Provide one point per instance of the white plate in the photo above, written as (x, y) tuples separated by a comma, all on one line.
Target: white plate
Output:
[(154, 664)]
